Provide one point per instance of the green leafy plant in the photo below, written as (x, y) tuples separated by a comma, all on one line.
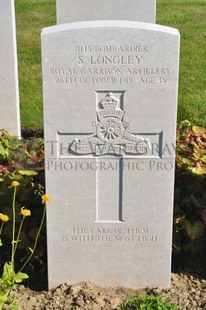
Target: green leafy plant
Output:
[(10, 277), (24, 155), (148, 302), (21, 186), (190, 192), (23, 160), (191, 148)]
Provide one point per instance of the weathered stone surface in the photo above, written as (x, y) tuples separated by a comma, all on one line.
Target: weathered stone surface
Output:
[(110, 118), (85, 10), (9, 92)]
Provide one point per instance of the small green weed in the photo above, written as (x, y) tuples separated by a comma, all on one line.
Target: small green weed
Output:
[(148, 302)]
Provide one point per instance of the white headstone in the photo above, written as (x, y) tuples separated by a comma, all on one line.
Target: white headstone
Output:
[(81, 10), (110, 118), (9, 91)]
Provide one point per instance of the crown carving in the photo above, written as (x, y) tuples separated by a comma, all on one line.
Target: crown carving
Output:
[(109, 101)]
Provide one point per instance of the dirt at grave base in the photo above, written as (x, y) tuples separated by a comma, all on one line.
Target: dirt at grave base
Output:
[(186, 291)]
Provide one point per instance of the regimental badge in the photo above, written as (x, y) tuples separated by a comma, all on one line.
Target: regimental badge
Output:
[(112, 134)]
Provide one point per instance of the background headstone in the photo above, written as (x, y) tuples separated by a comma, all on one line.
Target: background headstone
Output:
[(85, 10), (9, 91), (110, 121)]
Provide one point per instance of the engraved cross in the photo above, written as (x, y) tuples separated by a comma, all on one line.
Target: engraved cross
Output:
[(109, 145)]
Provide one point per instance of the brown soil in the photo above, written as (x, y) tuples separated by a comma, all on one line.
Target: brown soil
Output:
[(186, 291)]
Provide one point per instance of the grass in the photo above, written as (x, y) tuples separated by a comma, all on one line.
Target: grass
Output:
[(186, 15), (31, 17), (189, 17), (148, 302)]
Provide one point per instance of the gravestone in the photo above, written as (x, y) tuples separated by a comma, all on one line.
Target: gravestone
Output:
[(81, 10), (9, 92), (110, 120)]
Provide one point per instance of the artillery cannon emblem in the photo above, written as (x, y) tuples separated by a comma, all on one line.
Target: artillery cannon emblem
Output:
[(112, 134)]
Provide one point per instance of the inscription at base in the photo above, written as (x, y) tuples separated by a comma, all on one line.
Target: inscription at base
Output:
[(110, 235)]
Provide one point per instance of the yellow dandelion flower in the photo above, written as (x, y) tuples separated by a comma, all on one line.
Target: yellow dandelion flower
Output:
[(25, 212), (45, 198), (15, 183), (4, 217)]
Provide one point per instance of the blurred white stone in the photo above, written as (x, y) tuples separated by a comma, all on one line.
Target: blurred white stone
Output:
[(9, 88)]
